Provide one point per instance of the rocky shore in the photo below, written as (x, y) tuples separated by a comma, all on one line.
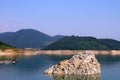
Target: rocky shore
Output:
[(82, 64), (29, 52), (73, 52)]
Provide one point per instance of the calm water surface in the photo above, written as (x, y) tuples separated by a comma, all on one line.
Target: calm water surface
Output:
[(32, 68)]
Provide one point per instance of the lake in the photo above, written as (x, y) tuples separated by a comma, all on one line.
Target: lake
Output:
[(32, 68)]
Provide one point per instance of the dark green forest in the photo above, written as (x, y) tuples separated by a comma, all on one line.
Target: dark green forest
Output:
[(84, 43), (4, 46)]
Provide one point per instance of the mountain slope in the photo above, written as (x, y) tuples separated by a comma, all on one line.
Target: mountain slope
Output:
[(57, 37), (112, 44), (84, 43), (4, 46), (26, 38)]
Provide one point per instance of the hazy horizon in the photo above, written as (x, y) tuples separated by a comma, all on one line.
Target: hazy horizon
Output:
[(65, 17)]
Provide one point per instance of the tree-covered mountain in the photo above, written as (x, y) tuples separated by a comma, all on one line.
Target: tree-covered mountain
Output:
[(27, 38), (30, 38), (84, 43), (57, 37), (112, 44), (4, 46)]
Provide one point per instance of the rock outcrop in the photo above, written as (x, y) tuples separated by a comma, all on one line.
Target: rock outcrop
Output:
[(82, 64)]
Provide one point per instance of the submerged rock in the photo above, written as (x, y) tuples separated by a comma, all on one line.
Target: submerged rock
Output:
[(82, 64), (74, 77)]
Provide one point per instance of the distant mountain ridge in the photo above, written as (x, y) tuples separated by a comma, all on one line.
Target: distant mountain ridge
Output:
[(84, 43), (28, 38)]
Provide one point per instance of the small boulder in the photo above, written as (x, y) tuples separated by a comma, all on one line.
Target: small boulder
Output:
[(82, 64)]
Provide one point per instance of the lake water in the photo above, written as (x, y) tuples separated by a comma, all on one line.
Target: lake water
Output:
[(32, 68)]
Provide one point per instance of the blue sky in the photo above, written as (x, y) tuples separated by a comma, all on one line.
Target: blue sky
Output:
[(98, 18)]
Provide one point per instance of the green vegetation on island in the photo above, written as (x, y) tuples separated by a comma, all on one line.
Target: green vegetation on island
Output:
[(84, 43)]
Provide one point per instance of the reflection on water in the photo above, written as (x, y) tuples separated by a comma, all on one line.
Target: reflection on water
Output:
[(108, 58), (74, 77)]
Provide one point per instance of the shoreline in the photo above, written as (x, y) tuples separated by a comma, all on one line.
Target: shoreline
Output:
[(29, 52)]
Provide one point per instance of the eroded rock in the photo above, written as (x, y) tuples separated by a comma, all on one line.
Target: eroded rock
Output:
[(82, 64)]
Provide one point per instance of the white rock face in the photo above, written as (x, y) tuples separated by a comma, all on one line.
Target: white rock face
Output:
[(83, 64)]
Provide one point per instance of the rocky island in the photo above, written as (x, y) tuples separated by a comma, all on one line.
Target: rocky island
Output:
[(82, 64)]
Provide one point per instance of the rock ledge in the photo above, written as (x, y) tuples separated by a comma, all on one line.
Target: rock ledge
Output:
[(82, 64)]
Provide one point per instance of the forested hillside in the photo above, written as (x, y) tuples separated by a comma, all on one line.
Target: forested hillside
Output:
[(84, 43), (4, 46)]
